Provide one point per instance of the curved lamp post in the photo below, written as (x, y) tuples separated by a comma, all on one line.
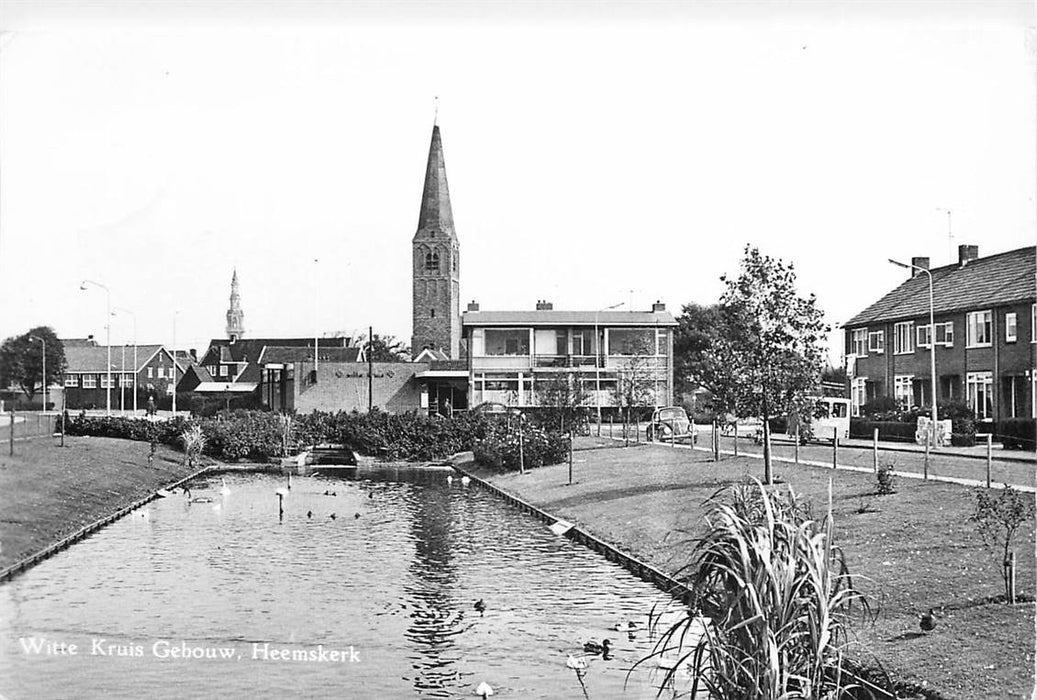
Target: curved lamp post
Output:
[(932, 342), (597, 361), (44, 381), (135, 366), (107, 341)]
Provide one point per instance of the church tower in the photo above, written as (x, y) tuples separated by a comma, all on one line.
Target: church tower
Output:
[(235, 316), (436, 292)]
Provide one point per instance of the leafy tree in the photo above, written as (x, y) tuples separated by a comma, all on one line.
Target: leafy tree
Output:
[(769, 352), (21, 360), (385, 348), (562, 397), (692, 339)]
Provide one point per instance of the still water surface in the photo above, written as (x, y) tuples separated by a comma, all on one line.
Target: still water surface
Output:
[(393, 590)]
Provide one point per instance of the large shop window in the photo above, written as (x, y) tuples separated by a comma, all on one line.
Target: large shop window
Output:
[(632, 341), (506, 342)]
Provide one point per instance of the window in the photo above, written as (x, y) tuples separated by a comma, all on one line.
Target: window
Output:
[(631, 341), (859, 342), (877, 342), (432, 262), (1011, 331), (923, 339), (977, 329), (107, 382), (902, 388), (71, 380), (161, 372), (902, 337), (506, 342), (89, 381), (945, 334), (979, 393), (858, 394), (151, 373), (1033, 327)]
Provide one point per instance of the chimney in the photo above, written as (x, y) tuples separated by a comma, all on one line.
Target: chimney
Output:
[(473, 305), (967, 253), (919, 262), (544, 305), (90, 339), (193, 353), (658, 306)]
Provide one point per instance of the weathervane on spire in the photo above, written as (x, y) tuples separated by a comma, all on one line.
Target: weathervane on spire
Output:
[(435, 117)]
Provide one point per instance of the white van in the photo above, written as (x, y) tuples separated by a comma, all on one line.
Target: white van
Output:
[(831, 416)]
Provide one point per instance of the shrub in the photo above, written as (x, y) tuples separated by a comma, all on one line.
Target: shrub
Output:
[(888, 430), (1018, 433), (880, 408), (885, 480), (998, 518), (499, 449)]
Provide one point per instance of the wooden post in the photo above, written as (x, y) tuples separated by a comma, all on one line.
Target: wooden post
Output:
[(797, 443), (875, 449), (626, 429), (736, 438), (522, 454), (12, 432), (925, 464), (835, 448), (280, 507), (1011, 578), (570, 456), (716, 440), (989, 457), (611, 418), (637, 429)]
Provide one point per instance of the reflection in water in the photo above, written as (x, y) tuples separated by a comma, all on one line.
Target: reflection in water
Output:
[(397, 586)]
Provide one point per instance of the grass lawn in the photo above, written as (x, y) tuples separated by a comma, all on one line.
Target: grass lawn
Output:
[(910, 551), (48, 491)]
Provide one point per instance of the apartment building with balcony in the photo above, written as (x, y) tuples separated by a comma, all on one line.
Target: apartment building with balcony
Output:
[(512, 353), (985, 318)]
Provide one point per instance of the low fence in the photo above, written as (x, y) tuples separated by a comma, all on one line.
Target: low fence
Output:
[(22, 425)]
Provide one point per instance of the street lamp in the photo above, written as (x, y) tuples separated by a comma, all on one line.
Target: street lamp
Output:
[(136, 368), (44, 382), (175, 313), (932, 341), (107, 341)]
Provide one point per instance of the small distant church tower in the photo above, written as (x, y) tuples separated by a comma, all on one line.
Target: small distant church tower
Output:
[(436, 294), (235, 316)]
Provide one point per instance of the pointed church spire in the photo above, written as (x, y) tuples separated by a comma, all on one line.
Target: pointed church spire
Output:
[(235, 316), (436, 215)]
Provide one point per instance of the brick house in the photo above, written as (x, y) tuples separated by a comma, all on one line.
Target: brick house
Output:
[(86, 375), (513, 352), (985, 342)]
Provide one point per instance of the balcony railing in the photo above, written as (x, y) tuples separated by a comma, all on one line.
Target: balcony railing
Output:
[(566, 361)]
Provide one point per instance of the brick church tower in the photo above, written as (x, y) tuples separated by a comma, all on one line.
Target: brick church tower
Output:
[(436, 291), (235, 316)]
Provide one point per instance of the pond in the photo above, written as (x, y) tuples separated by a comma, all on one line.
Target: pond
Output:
[(194, 599)]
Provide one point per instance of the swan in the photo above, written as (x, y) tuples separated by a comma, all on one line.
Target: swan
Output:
[(224, 490), (484, 690), (465, 481), (449, 480)]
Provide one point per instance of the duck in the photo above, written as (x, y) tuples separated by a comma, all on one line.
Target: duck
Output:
[(595, 648), (927, 621), (356, 516), (327, 493), (201, 499), (577, 664), (627, 626), (484, 690), (332, 516), (480, 606), (224, 490), (370, 494), (309, 514)]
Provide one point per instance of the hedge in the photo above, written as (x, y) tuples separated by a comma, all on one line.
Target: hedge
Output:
[(1018, 433), (260, 435)]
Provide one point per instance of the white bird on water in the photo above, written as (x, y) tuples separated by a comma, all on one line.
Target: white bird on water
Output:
[(465, 481), (575, 663), (449, 480), (484, 690), (224, 490)]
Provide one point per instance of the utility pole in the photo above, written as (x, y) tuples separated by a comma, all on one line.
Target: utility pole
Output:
[(370, 368)]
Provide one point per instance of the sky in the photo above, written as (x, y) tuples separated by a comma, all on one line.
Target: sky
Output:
[(597, 153)]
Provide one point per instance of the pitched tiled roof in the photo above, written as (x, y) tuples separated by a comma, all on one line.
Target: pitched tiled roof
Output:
[(567, 318), (249, 349), (282, 355), (92, 358), (1005, 278)]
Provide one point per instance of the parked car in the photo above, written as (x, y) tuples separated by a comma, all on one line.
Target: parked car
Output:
[(670, 423)]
